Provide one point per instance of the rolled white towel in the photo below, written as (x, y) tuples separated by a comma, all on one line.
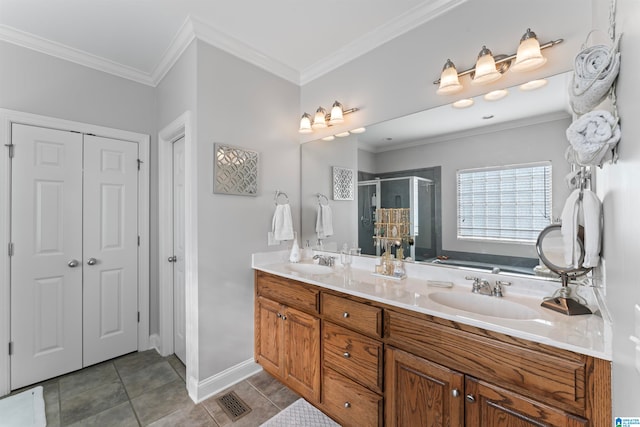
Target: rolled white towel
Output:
[(282, 223), (591, 136)]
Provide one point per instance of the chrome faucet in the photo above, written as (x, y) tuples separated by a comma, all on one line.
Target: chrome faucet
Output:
[(325, 260), (497, 289), (480, 286)]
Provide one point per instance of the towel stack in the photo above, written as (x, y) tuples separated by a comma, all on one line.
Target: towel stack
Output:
[(282, 224), (324, 221)]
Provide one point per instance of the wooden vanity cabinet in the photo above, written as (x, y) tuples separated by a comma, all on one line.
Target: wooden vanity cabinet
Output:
[(370, 364), (287, 339)]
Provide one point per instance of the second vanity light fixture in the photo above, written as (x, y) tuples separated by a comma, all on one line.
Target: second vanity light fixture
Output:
[(322, 120), (490, 68)]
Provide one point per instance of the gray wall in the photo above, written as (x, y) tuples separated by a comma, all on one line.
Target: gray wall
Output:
[(317, 159), (619, 189), (533, 143), (242, 105)]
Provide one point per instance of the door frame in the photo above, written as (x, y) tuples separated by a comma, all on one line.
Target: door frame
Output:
[(7, 117), (183, 126)]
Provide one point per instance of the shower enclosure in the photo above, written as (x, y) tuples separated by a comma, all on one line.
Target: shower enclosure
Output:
[(412, 192)]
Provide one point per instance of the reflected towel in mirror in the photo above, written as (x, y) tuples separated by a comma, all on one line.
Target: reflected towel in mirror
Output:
[(324, 221), (585, 212), (282, 224)]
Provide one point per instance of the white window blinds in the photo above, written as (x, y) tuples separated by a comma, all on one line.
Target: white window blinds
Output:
[(511, 203)]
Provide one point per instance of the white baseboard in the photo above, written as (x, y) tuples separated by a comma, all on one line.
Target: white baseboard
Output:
[(156, 343), (218, 382)]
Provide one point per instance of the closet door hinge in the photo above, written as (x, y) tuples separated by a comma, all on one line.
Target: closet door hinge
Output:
[(10, 348), (140, 162), (138, 317), (10, 249), (138, 240), (10, 147)]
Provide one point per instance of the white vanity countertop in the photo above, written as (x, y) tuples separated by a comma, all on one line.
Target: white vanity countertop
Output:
[(585, 334)]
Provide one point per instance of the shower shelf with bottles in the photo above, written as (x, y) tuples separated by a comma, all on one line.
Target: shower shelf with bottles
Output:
[(392, 229)]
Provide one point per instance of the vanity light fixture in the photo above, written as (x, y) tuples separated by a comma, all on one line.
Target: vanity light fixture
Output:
[(358, 130), (343, 134), (321, 119), (495, 95), (329, 138), (489, 67), (533, 84), (463, 103)]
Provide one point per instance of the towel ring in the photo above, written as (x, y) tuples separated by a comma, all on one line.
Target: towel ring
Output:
[(278, 194), (321, 196)]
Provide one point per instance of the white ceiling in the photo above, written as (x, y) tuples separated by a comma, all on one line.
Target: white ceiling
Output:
[(140, 39)]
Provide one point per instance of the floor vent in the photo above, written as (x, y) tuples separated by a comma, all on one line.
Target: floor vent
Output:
[(233, 406)]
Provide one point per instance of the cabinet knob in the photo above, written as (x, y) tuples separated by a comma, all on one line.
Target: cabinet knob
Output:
[(455, 392), (346, 355), (470, 398), (279, 315), (92, 261), (347, 405), (345, 314), (284, 317)]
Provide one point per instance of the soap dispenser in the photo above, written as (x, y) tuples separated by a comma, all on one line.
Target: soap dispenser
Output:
[(307, 252), (294, 256)]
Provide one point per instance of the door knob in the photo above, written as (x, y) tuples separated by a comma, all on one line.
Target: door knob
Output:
[(173, 258), (73, 263), (92, 261)]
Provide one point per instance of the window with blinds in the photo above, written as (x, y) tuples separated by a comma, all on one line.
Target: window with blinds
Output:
[(510, 203)]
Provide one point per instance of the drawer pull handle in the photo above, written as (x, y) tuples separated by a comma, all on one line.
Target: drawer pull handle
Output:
[(347, 405), (470, 398), (345, 314), (455, 392), (346, 355)]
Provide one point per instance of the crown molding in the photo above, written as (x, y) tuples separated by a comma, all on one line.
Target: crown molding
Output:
[(58, 50), (413, 18), (235, 47), (174, 51)]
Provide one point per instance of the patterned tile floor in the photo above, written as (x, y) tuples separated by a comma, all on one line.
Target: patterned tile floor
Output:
[(146, 389)]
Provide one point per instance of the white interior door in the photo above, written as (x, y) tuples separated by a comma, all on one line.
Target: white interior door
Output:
[(110, 238), (179, 304), (46, 267)]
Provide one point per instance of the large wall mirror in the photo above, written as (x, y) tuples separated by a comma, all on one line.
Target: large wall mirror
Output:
[(420, 162)]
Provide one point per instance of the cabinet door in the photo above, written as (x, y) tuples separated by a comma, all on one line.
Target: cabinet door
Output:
[(421, 393), (491, 406), (268, 336), (302, 353)]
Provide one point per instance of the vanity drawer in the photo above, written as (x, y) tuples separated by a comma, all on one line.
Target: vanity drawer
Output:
[(288, 292), (353, 355), (553, 379), (350, 403), (352, 314)]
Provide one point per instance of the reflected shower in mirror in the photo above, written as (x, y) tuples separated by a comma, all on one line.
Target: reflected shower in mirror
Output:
[(525, 127)]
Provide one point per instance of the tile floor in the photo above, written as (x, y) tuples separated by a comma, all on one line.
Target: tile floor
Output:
[(146, 389)]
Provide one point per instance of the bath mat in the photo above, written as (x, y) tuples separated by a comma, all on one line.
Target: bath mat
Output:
[(24, 409), (300, 414)]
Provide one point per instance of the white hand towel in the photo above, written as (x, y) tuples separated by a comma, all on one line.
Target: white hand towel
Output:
[(585, 212), (282, 224), (324, 221)]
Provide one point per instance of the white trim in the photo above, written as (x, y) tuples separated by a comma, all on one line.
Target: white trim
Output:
[(59, 50), (7, 117), (238, 48), (194, 28), (154, 343), (222, 380), (179, 44), (182, 126), (413, 18)]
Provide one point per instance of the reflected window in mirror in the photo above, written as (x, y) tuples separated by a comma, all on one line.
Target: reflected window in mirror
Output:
[(506, 203)]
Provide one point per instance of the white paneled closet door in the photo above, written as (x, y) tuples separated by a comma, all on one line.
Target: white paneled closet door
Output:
[(179, 303), (46, 266), (74, 270), (110, 248)]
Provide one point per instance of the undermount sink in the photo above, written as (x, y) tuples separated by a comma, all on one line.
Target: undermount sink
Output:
[(311, 269), (485, 305)]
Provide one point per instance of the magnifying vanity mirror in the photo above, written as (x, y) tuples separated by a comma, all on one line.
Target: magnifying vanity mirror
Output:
[(552, 248), (419, 158)]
